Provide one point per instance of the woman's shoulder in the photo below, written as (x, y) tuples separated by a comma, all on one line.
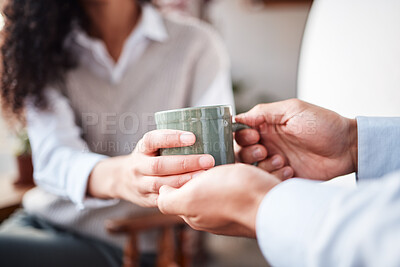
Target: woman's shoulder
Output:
[(192, 29), (196, 34)]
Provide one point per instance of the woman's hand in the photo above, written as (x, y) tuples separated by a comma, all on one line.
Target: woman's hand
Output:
[(138, 177)]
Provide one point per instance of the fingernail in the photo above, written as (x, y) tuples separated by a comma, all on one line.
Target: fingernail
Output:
[(277, 162), (287, 173), (257, 153), (206, 161), (187, 138)]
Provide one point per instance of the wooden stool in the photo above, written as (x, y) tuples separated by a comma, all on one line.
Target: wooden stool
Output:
[(174, 244)]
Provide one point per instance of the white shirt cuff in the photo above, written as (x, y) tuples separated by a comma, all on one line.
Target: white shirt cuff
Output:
[(289, 217), (78, 181), (378, 142)]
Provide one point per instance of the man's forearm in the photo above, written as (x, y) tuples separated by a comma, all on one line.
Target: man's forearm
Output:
[(305, 223)]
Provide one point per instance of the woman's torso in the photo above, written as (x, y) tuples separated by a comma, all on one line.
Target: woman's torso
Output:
[(114, 116)]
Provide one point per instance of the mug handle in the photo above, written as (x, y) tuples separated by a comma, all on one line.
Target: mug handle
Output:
[(239, 126)]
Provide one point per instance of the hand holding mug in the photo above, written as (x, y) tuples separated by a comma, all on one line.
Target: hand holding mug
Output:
[(138, 177), (214, 129), (317, 143)]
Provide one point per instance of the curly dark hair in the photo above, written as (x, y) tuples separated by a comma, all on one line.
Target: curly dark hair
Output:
[(33, 51)]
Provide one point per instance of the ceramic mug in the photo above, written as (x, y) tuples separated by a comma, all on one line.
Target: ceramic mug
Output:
[(212, 126)]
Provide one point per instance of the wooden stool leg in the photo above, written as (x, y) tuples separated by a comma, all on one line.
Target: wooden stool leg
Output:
[(131, 253), (184, 249), (166, 256)]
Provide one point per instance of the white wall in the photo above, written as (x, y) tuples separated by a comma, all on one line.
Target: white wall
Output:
[(264, 47), (351, 64)]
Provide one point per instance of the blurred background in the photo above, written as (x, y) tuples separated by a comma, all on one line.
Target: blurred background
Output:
[(263, 39), (350, 64)]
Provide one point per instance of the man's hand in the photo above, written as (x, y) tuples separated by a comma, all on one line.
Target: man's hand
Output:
[(223, 200), (317, 143), (257, 153)]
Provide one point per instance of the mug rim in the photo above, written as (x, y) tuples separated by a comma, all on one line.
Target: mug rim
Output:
[(192, 108)]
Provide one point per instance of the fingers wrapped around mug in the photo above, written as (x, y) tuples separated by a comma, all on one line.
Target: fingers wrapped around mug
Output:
[(154, 140), (247, 137), (276, 166), (138, 176), (252, 154), (173, 165)]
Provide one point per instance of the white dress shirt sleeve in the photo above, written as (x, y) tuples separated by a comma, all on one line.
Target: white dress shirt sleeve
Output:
[(61, 159), (306, 223)]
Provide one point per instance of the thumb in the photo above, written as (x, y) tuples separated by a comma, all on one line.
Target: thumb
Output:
[(166, 189), (272, 113), (170, 200)]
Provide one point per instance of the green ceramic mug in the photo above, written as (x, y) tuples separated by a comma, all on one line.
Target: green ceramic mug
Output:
[(212, 126)]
